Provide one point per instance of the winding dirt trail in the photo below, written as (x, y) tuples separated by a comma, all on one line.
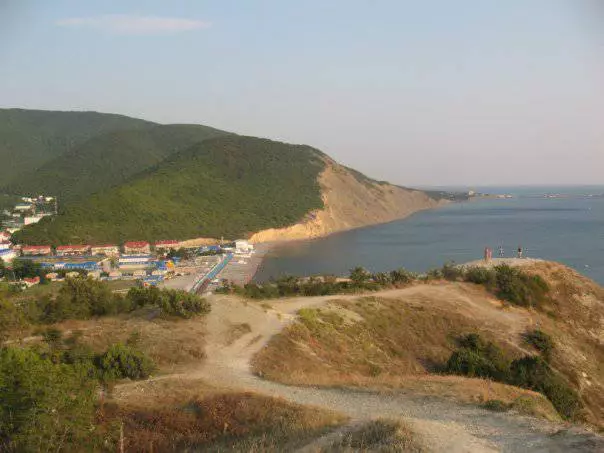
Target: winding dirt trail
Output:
[(443, 425)]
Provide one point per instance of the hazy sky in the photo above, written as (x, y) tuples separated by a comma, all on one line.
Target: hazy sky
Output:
[(416, 92)]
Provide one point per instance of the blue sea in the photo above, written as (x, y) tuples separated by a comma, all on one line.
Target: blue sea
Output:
[(568, 228)]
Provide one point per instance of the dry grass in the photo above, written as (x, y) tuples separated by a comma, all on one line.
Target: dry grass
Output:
[(379, 436), (172, 344), (236, 331), (389, 343), (575, 320), (391, 337), (170, 416)]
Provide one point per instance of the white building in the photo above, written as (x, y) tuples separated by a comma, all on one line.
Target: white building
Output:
[(243, 246), (7, 255)]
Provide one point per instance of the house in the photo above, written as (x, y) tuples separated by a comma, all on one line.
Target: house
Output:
[(135, 262), (7, 255), (52, 276), (30, 220), (73, 250), (243, 246), (107, 250), (165, 246), (24, 207), (4, 236), (36, 250), (5, 245), (114, 275), (137, 248), (30, 281)]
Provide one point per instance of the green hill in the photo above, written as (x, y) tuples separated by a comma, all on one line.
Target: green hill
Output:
[(227, 186), (30, 138), (108, 160)]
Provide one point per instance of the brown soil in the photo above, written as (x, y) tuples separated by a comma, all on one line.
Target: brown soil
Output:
[(350, 203)]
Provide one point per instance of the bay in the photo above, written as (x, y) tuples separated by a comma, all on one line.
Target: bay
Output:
[(567, 227)]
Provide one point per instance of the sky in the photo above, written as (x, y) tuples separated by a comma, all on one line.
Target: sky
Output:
[(419, 93)]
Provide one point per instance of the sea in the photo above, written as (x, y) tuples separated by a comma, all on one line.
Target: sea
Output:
[(564, 224)]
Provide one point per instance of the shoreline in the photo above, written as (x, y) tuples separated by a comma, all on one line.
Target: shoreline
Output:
[(269, 246)]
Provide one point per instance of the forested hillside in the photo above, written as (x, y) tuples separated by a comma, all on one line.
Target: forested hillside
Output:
[(30, 138), (229, 186), (108, 160)]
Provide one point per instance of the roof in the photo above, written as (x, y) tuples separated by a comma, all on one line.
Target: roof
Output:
[(71, 247), (168, 242), (36, 247), (135, 244), (104, 246)]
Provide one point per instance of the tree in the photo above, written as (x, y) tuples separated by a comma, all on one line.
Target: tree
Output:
[(27, 269), (359, 276), (45, 407)]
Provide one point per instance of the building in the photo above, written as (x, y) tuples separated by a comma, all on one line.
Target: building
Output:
[(73, 250), (243, 246), (5, 245), (4, 236), (131, 262), (137, 248), (24, 207), (36, 250), (166, 246), (30, 281), (7, 255), (107, 250)]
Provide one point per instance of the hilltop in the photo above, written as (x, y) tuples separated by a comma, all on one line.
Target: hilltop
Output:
[(31, 138), (115, 182), (107, 160)]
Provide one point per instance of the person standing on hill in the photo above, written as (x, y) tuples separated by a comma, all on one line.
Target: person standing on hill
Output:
[(501, 251), (519, 252)]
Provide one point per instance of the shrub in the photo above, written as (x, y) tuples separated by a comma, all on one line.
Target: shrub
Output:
[(519, 288), (121, 361), (496, 406), (534, 373), (480, 276), (171, 302), (452, 272), (183, 304), (11, 318), (541, 341), (401, 277), (477, 358), (45, 406)]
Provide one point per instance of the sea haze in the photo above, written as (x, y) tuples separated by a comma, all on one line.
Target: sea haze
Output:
[(568, 229)]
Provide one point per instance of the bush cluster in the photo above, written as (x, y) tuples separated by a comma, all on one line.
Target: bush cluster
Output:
[(83, 298), (171, 302), (478, 358), (289, 286), (510, 284), (121, 361)]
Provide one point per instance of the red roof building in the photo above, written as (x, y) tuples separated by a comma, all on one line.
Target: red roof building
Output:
[(167, 245), (69, 250), (137, 247), (32, 250), (105, 249)]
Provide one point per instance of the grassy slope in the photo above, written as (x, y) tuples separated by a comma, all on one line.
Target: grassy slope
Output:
[(30, 138), (109, 159), (224, 186), (398, 342)]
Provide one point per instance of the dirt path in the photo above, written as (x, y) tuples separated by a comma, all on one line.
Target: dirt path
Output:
[(444, 426)]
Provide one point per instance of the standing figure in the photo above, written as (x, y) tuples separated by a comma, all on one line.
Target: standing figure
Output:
[(501, 251), (519, 252), (486, 254)]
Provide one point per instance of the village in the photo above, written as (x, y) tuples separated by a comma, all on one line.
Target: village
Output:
[(192, 268)]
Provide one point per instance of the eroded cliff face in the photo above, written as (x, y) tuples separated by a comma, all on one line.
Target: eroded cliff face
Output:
[(350, 203)]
